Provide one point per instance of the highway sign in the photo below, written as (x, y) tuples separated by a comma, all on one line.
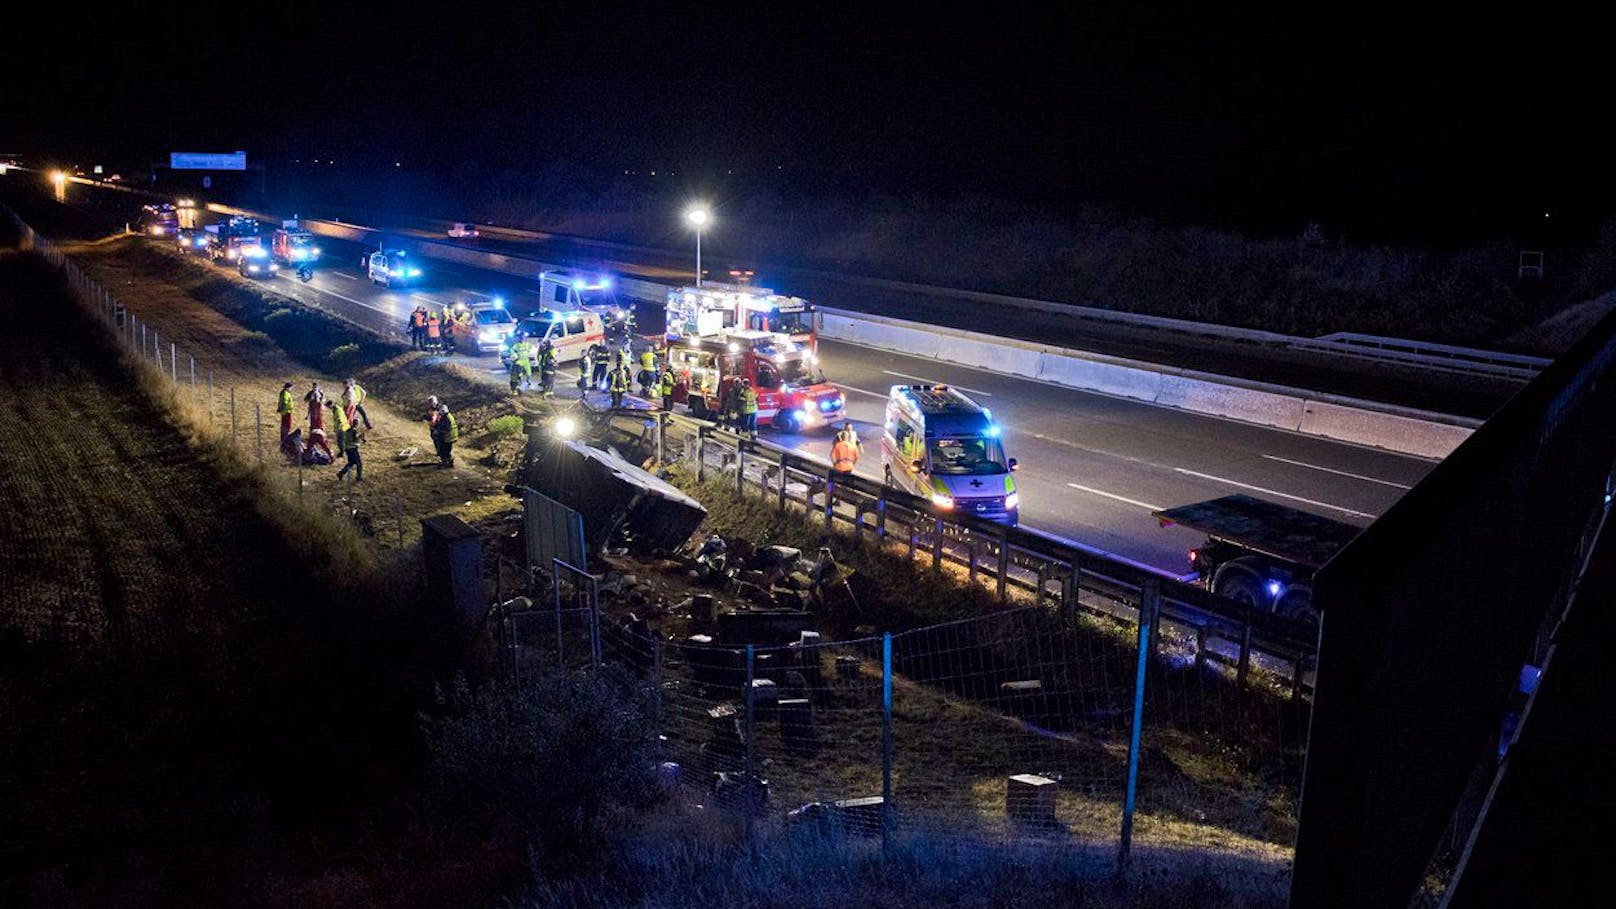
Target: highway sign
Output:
[(207, 161)]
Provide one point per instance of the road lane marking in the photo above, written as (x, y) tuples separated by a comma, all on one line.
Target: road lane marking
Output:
[(345, 277), (1111, 495), (904, 375), (1344, 473), (1273, 492), (344, 297), (873, 394)]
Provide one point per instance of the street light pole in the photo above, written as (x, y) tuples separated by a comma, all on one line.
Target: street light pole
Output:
[(697, 218)]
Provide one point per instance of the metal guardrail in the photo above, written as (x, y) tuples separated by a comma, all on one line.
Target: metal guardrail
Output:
[(1450, 357), (1013, 562)]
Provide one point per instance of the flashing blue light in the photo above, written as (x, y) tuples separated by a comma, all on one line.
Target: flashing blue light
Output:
[(499, 302), (993, 431), (987, 413), (1275, 589), (414, 273), (605, 283), (579, 284)]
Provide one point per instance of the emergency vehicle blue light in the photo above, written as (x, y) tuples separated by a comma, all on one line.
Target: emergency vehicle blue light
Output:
[(499, 302), (1275, 589), (830, 403), (992, 431), (579, 284)]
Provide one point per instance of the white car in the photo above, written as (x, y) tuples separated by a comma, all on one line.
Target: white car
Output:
[(462, 230), (488, 330)]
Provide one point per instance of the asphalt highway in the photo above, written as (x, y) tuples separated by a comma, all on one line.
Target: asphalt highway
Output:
[(1092, 467)]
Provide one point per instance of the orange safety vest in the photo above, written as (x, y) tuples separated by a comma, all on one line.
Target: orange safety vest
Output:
[(432, 326), (419, 318), (843, 456)]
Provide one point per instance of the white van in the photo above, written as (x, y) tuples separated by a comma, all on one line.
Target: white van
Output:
[(570, 333), (942, 446)]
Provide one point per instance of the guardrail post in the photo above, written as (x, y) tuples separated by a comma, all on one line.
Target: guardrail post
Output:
[(973, 548), (740, 470), (881, 516), (1200, 647), (1004, 563), (1070, 589), (937, 547), (1243, 667), (782, 481), (1149, 602), (701, 454), (830, 497)]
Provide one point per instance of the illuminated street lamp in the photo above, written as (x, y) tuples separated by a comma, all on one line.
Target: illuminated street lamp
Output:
[(59, 181), (698, 218)]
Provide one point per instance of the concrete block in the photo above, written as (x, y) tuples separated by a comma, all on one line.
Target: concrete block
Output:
[(1030, 799), (1245, 404), (1393, 432)]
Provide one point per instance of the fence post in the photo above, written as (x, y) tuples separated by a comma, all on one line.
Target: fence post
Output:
[(173, 363), (555, 589), (1149, 601), (157, 349), (193, 378), (750, 730), (1071, 589), (594, 621), (143, 340), (886, 741)]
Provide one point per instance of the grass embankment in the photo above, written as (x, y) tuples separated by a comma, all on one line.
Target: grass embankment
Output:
[(1218, 770), (199, 680), (253, 340)]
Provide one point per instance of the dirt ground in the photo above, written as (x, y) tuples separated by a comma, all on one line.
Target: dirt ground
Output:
[(171, 664), (182, 301)]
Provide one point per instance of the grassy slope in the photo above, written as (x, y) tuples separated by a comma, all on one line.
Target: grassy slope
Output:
[(230, 326), (171, 666)]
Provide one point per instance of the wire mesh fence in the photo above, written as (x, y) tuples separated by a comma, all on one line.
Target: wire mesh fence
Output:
[(223, 411)]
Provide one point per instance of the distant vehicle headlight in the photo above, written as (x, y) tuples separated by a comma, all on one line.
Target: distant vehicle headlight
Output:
[(488, 334), (413, 272), (252, 268), (274, 267), (942, 500)]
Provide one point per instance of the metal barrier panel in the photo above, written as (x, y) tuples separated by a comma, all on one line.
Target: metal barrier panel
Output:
[(1429, 616), (553, 531)]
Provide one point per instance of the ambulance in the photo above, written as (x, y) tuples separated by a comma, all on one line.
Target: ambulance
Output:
[(719, 308), (793, 395), (942, 446), (570, 333)]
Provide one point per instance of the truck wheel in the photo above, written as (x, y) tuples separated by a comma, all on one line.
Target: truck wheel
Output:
[(1240, 587), (785, 422), (1298, 607)]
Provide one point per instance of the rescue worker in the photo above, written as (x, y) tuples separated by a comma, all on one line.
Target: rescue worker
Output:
[(418, 327), (547, 368), (648, 374), (620, 382), (451, 327), (445, 432), (599, 359), (432, 414), (347, 443), (850, 435), (585, 367), (353, 401), (522, 362), (844, 453), (514, 364), (665, 386), (284, 408), (315, 399), (732, 406), (749, 408), (433, 332)]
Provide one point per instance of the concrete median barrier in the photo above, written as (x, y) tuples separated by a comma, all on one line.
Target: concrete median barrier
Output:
[(1093, 375), (1398, 432), (1247, 405)]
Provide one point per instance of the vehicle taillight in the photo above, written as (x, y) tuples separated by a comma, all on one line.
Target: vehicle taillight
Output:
[(1195, 556)]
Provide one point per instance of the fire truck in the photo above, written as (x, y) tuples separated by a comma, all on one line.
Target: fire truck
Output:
[(718, 308), (227, 240), (793, 395), (292, 245)]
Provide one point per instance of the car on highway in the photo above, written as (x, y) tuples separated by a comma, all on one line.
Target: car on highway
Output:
[(256, 262), (392, 268), (489, 328), (463, 230), (193, 240), (940, 445), (233, 249), (571, 332), (567, 291)]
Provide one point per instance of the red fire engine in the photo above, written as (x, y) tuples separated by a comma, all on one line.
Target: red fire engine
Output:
[(792, 393), (713, 309)]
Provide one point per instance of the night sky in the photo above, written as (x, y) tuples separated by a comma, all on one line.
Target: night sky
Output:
[(1372, 121)]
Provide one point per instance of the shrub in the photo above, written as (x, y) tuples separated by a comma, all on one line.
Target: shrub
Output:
[(555, 759), (508, 426), (276, 315), (342, 358)]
